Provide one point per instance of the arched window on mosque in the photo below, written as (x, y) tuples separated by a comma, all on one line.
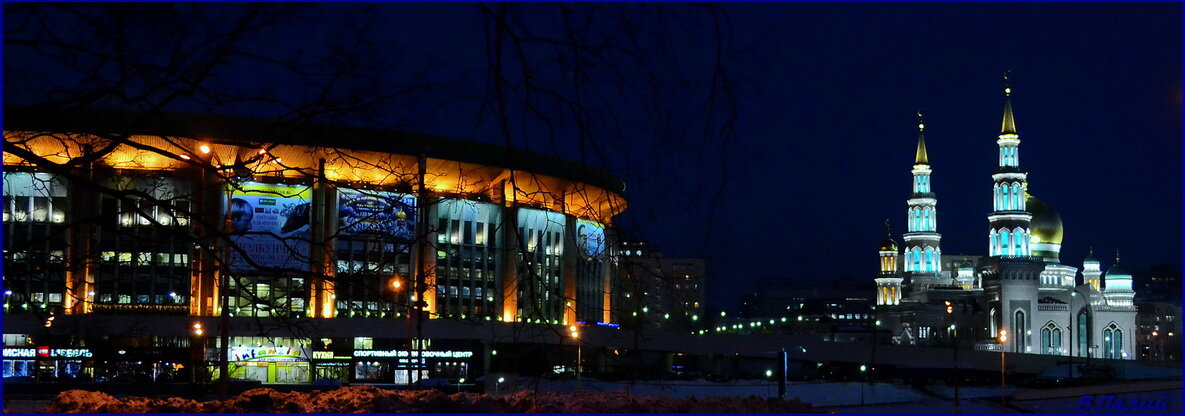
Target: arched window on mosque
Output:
[(1113, 342), (1051, 339), (1006, 242), (1020, 329)]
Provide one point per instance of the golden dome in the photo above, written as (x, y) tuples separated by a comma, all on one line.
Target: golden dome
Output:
[(1046, 226)]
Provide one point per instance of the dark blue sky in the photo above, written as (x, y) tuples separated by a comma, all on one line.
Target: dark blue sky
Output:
[(825, 129), (1097, 98)]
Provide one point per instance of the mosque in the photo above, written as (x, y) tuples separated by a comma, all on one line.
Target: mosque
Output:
[(1020, 297)]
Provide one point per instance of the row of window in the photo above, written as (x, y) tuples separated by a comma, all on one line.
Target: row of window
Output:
[(1009, 197), (888, 264), (919, 260), (921, 184), (922, 219), (1010, 244), (1051, 337), (888, 296), (1009, 156)]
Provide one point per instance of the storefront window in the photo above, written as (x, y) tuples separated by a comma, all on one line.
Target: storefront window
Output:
[(371, 371)]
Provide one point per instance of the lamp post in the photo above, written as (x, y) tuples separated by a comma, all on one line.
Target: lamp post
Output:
[(498, 384), (954, 345), (1003, 338), (863, 369), (574, 333), (197, 354), (223, 295), (1070, 327)]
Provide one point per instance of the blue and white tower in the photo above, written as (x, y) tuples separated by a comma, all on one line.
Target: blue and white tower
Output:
[(922, 252), (1010, 221)]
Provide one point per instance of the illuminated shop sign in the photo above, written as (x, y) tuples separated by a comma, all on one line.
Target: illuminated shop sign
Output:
[(266, 354), (46, 352), (328, 355), (403, 354)]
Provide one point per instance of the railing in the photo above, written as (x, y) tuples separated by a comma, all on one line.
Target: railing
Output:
[(1054, 307)]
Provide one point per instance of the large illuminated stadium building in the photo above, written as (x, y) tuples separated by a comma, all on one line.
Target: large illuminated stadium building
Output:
[(122, 230), (1020, 290)]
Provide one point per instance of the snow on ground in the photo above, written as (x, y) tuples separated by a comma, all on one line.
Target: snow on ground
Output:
[(973, 392), (817, 394), (1171, 400), (1126, 370), (857, 397)]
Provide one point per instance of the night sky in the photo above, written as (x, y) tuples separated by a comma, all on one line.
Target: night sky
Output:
[(826, 131)]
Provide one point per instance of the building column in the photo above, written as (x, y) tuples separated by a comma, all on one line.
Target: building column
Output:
[(424, 248), (568, 267), (431, 214), (322, 302), (608, 269), (80, 273), (509, 258)]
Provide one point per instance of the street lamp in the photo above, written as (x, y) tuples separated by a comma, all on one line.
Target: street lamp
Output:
[(1003, 338), (954, 345), (575, 334), (498, 384), (1070, 327)]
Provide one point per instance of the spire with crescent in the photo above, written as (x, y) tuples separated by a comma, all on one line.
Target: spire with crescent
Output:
[(921, 158), (1008, 126)]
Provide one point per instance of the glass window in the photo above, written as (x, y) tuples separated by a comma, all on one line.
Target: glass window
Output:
[(363, 343)]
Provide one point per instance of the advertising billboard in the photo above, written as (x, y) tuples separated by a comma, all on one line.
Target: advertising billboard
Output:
[(590, 238), (386, 215), (270, 224)]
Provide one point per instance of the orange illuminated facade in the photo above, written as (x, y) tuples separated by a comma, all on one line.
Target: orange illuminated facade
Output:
[(474, 211)]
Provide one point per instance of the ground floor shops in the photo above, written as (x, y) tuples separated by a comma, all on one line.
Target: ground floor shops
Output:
[(45, 363), (295, 361)]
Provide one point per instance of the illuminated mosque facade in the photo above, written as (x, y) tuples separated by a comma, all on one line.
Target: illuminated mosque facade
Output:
[(1020, 297)]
